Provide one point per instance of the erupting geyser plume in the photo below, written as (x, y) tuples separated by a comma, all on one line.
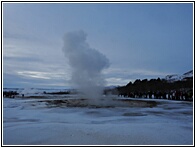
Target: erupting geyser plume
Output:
[(86, 63)]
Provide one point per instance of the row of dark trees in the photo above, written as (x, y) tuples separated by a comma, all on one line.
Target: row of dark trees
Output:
[(10, 94), (157, 88)]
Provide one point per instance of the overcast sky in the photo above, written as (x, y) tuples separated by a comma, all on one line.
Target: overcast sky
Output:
[(141, 40)]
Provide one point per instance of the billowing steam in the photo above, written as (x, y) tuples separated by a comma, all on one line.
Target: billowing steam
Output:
[(86, 63)]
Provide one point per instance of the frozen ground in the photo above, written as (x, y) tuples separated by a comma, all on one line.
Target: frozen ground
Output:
[(32, 122)]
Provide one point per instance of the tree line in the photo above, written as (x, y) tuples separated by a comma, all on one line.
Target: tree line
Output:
[(156, 88)]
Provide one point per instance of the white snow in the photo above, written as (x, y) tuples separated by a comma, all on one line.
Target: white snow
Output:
[(176, 77), (28, 122)]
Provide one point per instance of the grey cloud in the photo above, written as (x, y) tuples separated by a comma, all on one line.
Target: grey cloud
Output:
[(22, 59)]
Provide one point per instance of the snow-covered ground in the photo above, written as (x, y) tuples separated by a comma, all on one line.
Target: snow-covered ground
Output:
[(29, 122)]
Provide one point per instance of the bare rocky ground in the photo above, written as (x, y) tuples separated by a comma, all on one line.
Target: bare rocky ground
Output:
[(102, 103)]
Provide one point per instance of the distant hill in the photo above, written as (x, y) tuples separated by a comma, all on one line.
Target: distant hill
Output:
[(176, 77)]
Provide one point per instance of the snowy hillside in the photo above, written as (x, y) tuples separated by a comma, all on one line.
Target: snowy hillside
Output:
[(176, 77), (188, 74)]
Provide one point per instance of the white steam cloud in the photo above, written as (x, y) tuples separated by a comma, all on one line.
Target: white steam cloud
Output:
[(86, 63)]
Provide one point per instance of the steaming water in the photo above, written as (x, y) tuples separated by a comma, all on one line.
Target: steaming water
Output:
[(86, 63)]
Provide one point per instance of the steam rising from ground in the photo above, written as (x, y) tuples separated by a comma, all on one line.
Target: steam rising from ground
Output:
[(86, 63)]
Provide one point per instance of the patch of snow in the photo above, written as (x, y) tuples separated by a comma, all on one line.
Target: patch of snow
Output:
[(172, 78), (176, 77), (29, 122)]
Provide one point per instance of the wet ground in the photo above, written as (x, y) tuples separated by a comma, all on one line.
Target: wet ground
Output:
[(63, 120)]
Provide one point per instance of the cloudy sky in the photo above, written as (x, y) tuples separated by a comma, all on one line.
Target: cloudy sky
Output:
[(141, 40)]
